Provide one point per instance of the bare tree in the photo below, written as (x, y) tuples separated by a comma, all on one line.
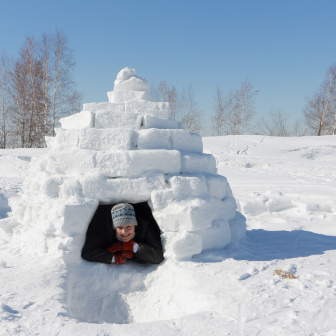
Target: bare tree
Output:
[(40, 91), (245, 108), (26, 91), (234, 111), (5, 64), (316, 112), (183, 104), (188, 111), (62, 82), (330, 81), (320, 110), (277, 123), (224, 106), (45, 50)]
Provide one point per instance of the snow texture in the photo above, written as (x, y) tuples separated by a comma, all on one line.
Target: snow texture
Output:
[(127, 80), (161, 123), (156, 109), (84, 119), (106, 119), (123, 96), (106, 139), (111, 107)]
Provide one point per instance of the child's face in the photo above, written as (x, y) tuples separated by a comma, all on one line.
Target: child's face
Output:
[(125, 232)]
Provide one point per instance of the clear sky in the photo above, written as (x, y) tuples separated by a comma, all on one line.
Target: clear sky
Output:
[(283, 47)]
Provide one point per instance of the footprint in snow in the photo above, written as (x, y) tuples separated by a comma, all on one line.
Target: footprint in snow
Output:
[(8, 313), (244, 276), (251, 272), (27, 305)]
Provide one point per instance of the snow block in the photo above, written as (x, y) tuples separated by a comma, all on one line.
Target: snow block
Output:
[(50, 185), (106, 139), (197, 163), (217, 236), (185, 141), (111, 107), (106, 119), (185, 214), (38, 164), (84, 119), (180, 125), (166, 161), (113, 164), (114, 190), (181, 245), (218, 186), (133, 163), (122, 96), (197, 143), (237, 227), (187, 186), (154, 139), (146, 107), (72, 161), (161, 123), (133, 83), (75, 216), (125, 73), (50, 141), (67, 137), (127, 80)]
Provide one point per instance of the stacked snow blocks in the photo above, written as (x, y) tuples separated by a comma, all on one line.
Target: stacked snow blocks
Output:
[(128, 150)]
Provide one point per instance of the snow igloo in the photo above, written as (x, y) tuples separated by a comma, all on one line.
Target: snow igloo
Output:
[(127, 150)]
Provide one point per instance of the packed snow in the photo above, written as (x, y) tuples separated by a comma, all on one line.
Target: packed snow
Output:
[(214, 280)]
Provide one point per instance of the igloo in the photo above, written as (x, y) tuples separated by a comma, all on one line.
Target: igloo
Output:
[(128, 150)]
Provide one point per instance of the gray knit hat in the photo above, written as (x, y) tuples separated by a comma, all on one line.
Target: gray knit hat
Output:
[(123, 214)]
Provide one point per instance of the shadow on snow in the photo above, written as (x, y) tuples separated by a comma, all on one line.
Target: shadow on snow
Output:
[(262, 245)]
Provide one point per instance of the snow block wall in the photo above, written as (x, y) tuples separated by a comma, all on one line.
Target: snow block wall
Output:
[(127, 150)]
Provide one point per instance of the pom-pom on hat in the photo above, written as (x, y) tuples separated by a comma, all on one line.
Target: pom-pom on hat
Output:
[(123, 214)]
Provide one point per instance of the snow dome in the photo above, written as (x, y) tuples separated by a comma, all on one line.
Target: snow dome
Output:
[(127, 150)]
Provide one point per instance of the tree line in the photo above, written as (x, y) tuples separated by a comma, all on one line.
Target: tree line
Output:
[(233, 112), (36, 89)]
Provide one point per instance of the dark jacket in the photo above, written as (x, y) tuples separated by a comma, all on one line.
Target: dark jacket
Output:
[(101, 235)]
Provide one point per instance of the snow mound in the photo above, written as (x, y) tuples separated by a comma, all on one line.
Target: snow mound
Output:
[(127, 150)]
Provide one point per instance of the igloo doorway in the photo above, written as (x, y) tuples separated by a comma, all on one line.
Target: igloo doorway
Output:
[(103, 212)]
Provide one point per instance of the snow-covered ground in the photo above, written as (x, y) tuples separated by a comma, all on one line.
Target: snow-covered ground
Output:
[(286, 189)]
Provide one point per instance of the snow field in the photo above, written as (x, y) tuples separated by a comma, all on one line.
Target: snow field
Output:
[(220, 292)]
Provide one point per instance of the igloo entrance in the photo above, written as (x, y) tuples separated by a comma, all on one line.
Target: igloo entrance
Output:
[(126, 150)]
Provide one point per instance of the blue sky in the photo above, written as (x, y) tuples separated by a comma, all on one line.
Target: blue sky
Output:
[(282, 47)]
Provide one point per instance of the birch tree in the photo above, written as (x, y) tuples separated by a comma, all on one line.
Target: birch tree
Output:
[(245, 108), (234, 111), (224, 107), (331, 82), (63, 91), (317, 110), (183, 104), (4, 98), (26, 93)]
